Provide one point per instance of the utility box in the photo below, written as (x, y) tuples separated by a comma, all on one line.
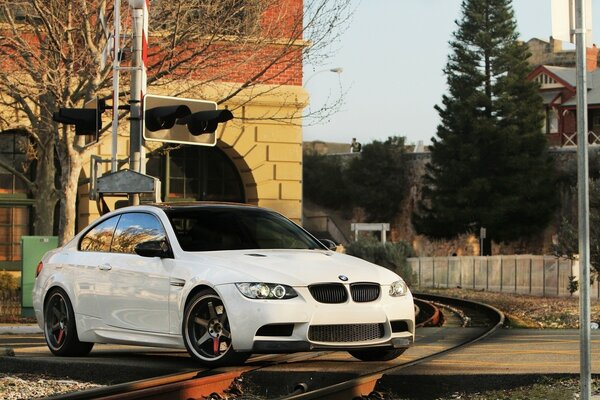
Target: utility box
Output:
[(32, 248)]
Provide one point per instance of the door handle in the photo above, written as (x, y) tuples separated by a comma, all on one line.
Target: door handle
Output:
[(105, 267)]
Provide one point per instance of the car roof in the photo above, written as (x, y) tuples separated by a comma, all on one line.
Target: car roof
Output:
[(170, 206)]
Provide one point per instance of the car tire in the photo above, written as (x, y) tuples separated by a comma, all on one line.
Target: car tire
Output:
[(60, 329), (206, 332), (376, 354)]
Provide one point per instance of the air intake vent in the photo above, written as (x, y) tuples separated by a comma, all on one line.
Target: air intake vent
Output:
[(330, 293), (364, 292), (345, 333)]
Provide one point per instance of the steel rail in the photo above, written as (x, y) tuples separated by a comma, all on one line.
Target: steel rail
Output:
[(365, 384), (181, 385), (427, 314), (198, 384)]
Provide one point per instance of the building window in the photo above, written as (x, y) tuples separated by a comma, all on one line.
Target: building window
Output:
[(14, 223), (551, 120), (12, 151), (196, 173), (20, 13), (595, 125), (15, 201), (224, 17)]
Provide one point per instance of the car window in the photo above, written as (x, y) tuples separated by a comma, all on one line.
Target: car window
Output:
[(99, 237), (135, 228), (229, 228)]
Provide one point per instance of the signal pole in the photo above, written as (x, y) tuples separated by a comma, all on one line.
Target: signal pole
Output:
[(139, 14), (583, 204)]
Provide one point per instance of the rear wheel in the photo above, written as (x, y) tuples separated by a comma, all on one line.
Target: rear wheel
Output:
[(206, 331), (376, 354), (59, 326)]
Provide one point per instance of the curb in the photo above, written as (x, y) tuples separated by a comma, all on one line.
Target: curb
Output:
[(20, 329)]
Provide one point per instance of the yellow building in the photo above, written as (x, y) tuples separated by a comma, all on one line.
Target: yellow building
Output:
[(256, 160)]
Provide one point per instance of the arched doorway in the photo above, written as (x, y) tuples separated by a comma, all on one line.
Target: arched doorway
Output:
[(192, 173)]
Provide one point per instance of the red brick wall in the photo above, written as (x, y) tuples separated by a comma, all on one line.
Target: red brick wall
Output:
[(591, 58), (281, 24)]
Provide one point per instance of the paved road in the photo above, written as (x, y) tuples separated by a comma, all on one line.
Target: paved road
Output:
[(516, 351), (510, 357)]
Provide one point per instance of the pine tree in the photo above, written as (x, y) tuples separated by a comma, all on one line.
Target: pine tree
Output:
[(489, 165)]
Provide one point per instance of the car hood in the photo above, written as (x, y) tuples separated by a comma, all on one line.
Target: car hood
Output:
[(291, 267)]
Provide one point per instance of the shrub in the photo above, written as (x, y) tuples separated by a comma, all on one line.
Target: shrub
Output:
[(390, 255), (7, 281)]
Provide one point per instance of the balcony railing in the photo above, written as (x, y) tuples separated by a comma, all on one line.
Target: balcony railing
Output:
[(570, 138)]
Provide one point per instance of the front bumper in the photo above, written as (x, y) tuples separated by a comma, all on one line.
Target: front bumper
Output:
[(279, 346), (298, 315)]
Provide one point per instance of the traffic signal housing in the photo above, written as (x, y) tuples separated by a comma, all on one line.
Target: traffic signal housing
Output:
[(87, 120), (179, 120)]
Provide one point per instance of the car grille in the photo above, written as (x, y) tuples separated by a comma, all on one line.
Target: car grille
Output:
[(364, 292), (345, 333), (330, 293)]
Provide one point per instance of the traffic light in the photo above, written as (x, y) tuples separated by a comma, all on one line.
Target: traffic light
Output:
[(205, 121), (87, 120), (178, 120)]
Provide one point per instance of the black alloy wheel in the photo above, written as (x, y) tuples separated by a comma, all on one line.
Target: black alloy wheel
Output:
[(59, 326), (206, 331)]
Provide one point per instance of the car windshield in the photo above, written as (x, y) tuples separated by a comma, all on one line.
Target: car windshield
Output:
[(236, 228)]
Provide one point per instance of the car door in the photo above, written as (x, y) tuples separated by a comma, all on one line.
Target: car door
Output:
[(134, 290), (92, 252)]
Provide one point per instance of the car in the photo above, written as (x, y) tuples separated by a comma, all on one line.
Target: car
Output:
[(223, 281)]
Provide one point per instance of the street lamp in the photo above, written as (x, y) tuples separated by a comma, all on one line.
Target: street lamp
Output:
[(337, 70)]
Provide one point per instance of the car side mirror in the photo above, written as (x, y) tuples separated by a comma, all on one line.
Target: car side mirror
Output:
[(330, 244), (154, 248)]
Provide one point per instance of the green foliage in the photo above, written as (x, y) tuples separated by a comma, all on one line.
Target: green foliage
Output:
[(374, 180), (489, 164), (567, 243), (7, 281), (378, 179), (573, 285), (390, 255), (324, 182)]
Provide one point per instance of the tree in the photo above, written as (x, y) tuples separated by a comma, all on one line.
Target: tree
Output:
[(51, 51), (378, 178), (489, 165), (324, 183), (567, 244), (374, 180)]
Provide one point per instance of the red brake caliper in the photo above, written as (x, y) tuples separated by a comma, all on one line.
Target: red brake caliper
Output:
[(216, 346), (60, 336)]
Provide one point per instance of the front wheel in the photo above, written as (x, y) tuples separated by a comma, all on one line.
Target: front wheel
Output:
[(376, 354), (206, 331), (59, 326)]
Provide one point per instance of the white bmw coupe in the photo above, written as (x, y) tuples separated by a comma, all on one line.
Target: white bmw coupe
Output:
[(223, 280)]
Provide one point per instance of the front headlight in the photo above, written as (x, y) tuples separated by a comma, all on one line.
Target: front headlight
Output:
[(398, 288), (260, 290)]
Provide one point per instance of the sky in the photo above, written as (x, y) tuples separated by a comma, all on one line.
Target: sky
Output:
[(392, 56)]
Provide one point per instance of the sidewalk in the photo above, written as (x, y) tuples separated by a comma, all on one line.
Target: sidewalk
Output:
[(20, 329)]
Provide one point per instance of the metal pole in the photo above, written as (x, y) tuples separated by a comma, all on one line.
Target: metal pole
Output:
[(135, 123), (116, 66), (474, 272), (516, 274), (583, 205), (419, 271), (501, 273)]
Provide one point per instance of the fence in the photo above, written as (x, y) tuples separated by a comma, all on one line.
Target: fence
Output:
[(524, 274)]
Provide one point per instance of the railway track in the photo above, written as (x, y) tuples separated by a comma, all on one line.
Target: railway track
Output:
[(231, 382)]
